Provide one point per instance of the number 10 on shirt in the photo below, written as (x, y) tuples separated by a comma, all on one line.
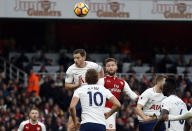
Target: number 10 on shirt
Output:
[(93, 97)]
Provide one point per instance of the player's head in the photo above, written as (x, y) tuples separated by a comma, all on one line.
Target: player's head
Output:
[(34, 114), (79, 56), (160, 81), (169, 87), (91, 76), (111, 66)]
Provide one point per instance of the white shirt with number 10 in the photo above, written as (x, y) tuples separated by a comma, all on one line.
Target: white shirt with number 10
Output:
[(93, 99)]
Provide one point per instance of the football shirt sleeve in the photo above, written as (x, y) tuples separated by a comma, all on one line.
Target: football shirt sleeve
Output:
[(129, 92), (76, 93), (143, 98), (21, 126), (165, 104), (69, 76), (101, 82)]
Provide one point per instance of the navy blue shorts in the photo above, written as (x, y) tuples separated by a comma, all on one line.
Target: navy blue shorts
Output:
[(148, 126), (92, 127), (78, 109)]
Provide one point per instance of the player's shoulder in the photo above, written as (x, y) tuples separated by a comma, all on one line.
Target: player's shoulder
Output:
[(168, 99), (25, 122), (148, 91), (71, 67), (41, 124), (91, 64)]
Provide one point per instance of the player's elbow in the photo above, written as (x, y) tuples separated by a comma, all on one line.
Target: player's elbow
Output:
[(71, 108), (66, 86), (118, 104)]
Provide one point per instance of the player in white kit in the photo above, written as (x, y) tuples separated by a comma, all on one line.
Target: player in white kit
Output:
[(149, 105), (93, 98), (170, 107), (75, 76)]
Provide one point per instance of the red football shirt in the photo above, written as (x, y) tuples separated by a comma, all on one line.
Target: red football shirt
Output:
[(27, 126)]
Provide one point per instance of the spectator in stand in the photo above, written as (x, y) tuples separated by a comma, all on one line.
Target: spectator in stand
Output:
[(187, 70), (139, 63), (43, 69), (61, 69), (33, 82), (151, 70), (64, 60), (22, 59), (131, 69), (190, 63), (162, 64)]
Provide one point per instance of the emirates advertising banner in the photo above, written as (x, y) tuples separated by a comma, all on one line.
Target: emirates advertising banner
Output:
[(99, 9)]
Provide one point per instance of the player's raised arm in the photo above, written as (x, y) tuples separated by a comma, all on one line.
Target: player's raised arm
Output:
[(129, 92), (163, 117), (184, 116)]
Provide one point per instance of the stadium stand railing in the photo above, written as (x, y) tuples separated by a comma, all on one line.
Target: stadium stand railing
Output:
[(12, 72)]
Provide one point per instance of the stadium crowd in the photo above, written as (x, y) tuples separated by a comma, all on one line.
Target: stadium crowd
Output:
[(53, 101)]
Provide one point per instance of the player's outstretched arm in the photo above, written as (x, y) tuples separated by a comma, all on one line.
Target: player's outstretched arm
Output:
[(184, 116), (72, 109), (163, 117), (116, 106), (129, 92)]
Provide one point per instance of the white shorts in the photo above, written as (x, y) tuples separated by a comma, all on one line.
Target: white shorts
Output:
[(110, 122)]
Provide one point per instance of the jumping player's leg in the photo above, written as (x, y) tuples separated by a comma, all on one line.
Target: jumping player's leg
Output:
[(110, 122)]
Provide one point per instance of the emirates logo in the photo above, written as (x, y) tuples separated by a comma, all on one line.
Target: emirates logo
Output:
[(181, 7), (114, 6)]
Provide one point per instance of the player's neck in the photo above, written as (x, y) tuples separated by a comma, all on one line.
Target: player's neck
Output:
[(114, 76), (157, 89), (82, 65), (33, 122)]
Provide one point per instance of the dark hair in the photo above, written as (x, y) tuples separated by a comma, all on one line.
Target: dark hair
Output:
[(160, 78), (110, 59), (82, 52), (169, 86), (91, 76)]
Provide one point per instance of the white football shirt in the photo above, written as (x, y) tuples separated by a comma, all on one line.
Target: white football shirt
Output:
[(175, 106), (73, 72), (93, 99), (151, 102)]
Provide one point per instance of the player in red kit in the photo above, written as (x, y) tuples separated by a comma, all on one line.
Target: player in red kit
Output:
[(32, 124), (116, 86)]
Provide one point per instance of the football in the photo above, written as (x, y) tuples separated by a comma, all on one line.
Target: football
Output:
[(81, 9)]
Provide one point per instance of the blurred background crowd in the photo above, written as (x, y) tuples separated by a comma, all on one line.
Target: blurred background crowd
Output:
[(141, 55)]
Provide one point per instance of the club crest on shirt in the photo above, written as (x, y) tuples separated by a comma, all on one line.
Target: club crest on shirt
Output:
[(38, 128), (108, 81)]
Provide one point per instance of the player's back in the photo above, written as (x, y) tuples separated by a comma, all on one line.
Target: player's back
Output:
[(93, 99), (175, 106)]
